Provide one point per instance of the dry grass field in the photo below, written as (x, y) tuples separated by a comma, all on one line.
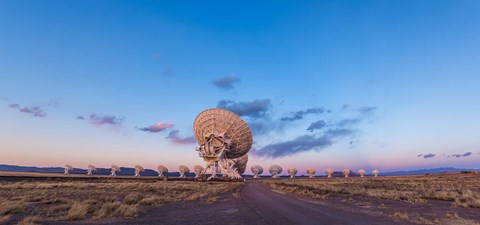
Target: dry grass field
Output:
[(32, 200), (420, 194), (28, 198)]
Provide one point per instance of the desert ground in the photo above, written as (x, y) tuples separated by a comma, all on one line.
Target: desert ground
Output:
[(28, 198)]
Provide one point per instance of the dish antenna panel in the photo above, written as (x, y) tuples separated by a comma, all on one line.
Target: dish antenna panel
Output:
[(375, 173), (311, 172), (198, 170), (68, 168), (138, 169), (256, 170), (162, 171), (114, 170), (183, 170), (91, 169), (292, 172), (222, 136), (275, 170)]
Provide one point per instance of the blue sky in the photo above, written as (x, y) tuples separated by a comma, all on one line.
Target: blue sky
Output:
[(392, 81)]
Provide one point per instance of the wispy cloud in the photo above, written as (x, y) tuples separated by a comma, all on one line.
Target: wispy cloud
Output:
[(426, 156), (158, 127), (105, 120), (348, 122), (262, 125), (317, 125), (338, 132), (301, 144), (255, 109), (368, 110), (346, 129), (174, 137), (35, 111), (227, 82), (466, 154), (298, 115)]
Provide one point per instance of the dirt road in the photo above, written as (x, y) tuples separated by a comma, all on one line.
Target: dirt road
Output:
[(281, 208), (255, 204)]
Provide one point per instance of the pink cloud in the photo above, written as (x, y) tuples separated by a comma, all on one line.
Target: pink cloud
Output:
[(158, 127)]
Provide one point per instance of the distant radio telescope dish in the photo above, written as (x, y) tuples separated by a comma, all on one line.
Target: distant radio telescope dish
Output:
[(311, 172), (183, 170), (361, 172), (68, 168), (240, 164), (292, 172), (329, 172), (198, 170), (162, 171), (256, 170), (90, 169), (375, 173), (138, 169), (275, 170), (222, 136), (346, 172), (114, 170)]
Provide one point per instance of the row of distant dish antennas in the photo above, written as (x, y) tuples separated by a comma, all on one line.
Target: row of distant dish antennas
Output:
[(257, 170), (162, 170), (275, 171)]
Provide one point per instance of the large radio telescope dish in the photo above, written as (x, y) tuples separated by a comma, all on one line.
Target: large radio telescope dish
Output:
[(198, 170), (311, 172), (361, 172), (240, 163), (292, 172), (329, 172), (222, 137), (68, 168), (114, 169), (162, 171), (275, 170), (256, 170), (346, 172), (182, 169), (226, 124)]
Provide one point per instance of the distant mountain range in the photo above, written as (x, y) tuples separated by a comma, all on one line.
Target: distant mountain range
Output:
[(428, 171), (125, 171)]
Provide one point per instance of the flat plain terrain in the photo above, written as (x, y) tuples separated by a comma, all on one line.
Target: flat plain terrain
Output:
[(27, 198), (420, 199)]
